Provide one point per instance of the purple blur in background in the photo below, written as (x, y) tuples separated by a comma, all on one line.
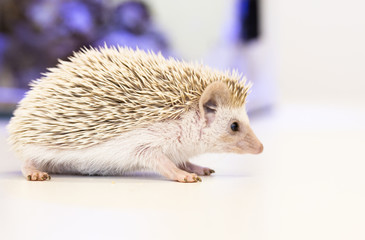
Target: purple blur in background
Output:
[(35, 33)]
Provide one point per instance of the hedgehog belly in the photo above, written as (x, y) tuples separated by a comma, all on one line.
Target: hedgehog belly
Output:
[(131, 151), (113, 157)]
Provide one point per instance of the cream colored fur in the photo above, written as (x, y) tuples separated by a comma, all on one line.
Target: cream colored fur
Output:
[(136, 150), (100, 94)]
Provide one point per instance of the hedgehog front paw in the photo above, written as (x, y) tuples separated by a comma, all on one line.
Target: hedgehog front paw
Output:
[(188, 178), (167, 168), (201, 171)]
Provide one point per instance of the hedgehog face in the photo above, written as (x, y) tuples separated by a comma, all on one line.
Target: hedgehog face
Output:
[(227, 128), (234, 133)]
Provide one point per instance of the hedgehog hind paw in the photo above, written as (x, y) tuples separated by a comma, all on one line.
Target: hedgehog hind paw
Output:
[(38, 176), (32, 174)]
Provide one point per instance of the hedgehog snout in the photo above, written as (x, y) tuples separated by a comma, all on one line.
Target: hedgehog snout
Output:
[(260, 148), (255, 146), (250, 143)]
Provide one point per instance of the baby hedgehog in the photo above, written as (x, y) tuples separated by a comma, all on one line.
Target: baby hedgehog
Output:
[(110, 111)]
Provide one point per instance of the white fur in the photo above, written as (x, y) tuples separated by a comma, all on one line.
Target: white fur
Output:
[(135, 150)]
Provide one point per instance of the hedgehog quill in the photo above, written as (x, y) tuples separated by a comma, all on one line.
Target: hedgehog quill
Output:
[(111, 111)]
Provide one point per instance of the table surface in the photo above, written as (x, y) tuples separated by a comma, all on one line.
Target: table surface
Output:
[(309, 183)]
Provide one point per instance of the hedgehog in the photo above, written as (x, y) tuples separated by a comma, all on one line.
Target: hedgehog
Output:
[(114, 110)]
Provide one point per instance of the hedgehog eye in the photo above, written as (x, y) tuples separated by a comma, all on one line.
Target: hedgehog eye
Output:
[(234, 126)]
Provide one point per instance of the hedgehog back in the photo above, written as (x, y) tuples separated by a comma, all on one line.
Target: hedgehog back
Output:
[(101, 93)]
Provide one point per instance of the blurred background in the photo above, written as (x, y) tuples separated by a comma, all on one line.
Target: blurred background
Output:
[(306, 60)]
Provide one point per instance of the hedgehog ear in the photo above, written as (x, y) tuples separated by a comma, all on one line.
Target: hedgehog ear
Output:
[(215, 95)]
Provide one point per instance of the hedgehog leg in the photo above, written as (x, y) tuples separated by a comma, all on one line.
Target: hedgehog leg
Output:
[(167, 168), (33, 174), (201, 171)]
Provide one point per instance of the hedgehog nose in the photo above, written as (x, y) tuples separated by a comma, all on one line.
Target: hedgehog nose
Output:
[(260, 148)]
